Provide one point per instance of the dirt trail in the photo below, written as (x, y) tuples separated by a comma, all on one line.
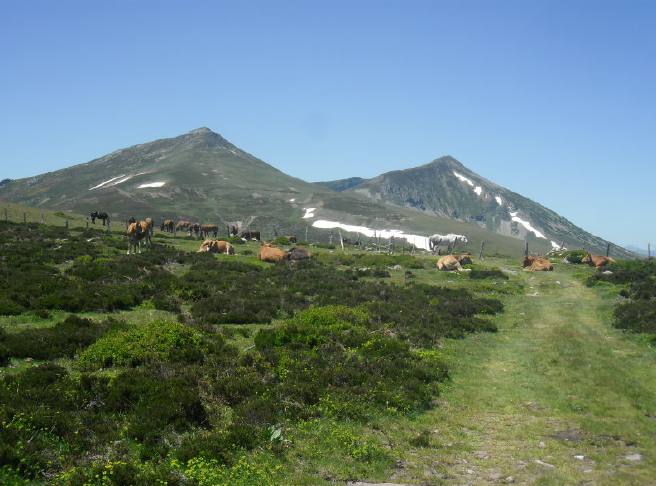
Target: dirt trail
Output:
[(556, 397)]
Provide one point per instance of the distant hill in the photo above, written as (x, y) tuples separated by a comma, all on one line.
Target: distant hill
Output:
[(446, 188), (203, 177), (342, 184)]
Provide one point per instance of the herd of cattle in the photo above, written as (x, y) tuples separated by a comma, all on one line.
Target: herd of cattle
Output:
[(451, 263), (140, 232)]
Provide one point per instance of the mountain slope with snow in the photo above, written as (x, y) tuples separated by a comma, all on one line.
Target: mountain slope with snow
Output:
[(447, 188)]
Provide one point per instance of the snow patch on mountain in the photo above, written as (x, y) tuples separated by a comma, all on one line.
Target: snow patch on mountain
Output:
[(309, 213), (478, 190), (416, 240), (463, 178), (498, 200), (527, 225), (106, 182), (151, 184)]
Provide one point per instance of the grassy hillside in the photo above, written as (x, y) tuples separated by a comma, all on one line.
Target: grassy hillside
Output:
[(202, 177)]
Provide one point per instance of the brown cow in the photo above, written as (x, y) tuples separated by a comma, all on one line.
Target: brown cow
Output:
[(464, 259), (167, 225), (298, 253), (272, 254), (207, 229), (216, 246), (597, 261), (137, 232), (182, 225), (536, 264), (292, 239), (449, 263)]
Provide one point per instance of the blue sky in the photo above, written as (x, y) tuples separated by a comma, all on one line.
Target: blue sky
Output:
[(555, 100)]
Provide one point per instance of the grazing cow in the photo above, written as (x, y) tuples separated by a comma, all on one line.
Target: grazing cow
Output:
[(298, 253), (195, 229), (250, 235), (233, 230), (99, 215), (167, 226), (138, 231), (216, 246), (182, 225), (449, 263), (536, 264), (597, 261), (207, 229), (292, 239), (272, 254)]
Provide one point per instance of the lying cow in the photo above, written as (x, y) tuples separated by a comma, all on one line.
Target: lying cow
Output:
[(536, 264), (216, 246), (597, 261), (298, 253), (272, 254), (449, 263)]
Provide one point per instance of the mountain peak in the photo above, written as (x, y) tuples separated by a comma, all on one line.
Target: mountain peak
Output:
[(202, 131)]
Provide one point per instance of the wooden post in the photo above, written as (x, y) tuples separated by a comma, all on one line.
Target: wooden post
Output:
[(525, 248), (306, 233), (608, 249), (391, 247), (649, 251), (378, 241), (24, 218), (87, 223), (480, 255), (341, 240), (402, 246), (109, 226), (43, 219), (6, 216), (66, 223), (330, 237)]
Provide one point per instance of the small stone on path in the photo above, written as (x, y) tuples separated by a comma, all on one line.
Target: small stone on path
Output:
[(542, 463), (633, 457)]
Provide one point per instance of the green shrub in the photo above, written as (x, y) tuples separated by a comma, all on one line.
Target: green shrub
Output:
[(636, 316), (155, 341), (65, 339), (494, 273)]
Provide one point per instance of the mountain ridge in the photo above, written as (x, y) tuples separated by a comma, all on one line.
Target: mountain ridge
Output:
[(201, 175)]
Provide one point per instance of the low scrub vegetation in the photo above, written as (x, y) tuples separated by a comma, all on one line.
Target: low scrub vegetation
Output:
[(120, 401), (638, 280)]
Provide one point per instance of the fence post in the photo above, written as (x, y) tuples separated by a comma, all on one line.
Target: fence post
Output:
[(392, 245), (330, 237), (43, 219), (480, 255), (66, 223), (649, 251), (608, 249), (306, 233), (341, 240), (6, 216), (87, 223), (525, 248), (24, 218)]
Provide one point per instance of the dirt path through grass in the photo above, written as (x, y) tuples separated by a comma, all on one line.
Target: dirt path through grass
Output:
[(556, 397)]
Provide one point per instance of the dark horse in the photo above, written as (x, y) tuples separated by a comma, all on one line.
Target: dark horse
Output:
[(99, 215)]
